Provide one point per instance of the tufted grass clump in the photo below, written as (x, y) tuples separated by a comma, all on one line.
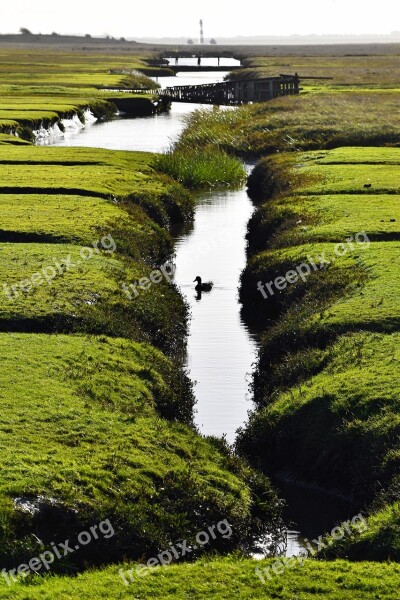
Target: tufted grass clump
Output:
[(201, 168)]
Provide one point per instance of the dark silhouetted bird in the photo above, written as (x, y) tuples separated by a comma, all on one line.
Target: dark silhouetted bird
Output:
[(203, 287)]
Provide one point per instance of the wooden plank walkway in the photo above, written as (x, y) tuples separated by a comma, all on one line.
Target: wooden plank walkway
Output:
[(234, 92)]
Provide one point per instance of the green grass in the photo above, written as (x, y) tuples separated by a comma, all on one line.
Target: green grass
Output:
[(342, 402), (371, 71), (123, 196), (293, 123), (78, 169), (221, 579), (207, 168), (86, 296), (305, 210), (382, 533), (94, 172), (325, 384), (58, 217), (80, 429), (366, 293), (324, 218), (6, 138), (337, 208), (40, 88)]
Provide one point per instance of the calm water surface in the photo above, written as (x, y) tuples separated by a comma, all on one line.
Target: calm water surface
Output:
[(221, 350), (150, 134), (208, 61)]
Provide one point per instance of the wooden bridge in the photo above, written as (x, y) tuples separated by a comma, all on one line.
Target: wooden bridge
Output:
[(234, 92)]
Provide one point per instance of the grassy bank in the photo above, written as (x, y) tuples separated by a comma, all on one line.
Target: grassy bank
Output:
[(222, 579), (328, 409), (65, 199), (304, 122), (39, 89), (89, 443), (97, 418)]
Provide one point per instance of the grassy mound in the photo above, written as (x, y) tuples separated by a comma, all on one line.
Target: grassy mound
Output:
[(97, 173), (333, 415), (6, 138), (94, 173), (324, 218), (58, 218), (59, 288), (381, 533), (67, 287)]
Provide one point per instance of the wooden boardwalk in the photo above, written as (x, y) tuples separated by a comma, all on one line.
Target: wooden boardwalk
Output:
[(234, 92)]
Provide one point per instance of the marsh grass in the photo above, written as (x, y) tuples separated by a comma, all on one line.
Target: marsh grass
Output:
[(223, 578), (372, 71), (295, 123), (201, 168), (97, 445), (342, 403), (328, 409), (382, 532), (48, 86)]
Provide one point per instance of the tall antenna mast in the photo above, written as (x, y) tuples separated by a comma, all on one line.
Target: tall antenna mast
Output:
[(201, 32)]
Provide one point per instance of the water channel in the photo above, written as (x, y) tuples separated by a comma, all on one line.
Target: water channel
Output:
[(221, 348)]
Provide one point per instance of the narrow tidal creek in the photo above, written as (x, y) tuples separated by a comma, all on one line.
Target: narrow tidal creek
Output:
[(221, 349)]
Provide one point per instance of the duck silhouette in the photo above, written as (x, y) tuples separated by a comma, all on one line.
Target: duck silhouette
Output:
[(203, 287)]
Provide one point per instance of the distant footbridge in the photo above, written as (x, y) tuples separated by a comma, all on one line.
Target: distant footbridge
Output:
[(234, 92)]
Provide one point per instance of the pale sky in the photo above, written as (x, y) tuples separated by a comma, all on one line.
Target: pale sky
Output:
[(175, 18)]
